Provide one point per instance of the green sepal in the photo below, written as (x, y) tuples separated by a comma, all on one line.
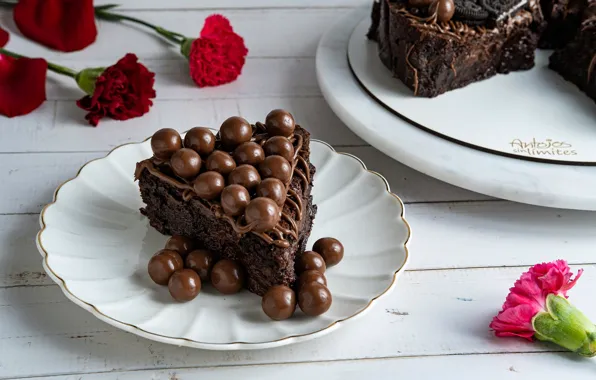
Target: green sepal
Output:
[(563, 324), (186, 46), (86, 79)]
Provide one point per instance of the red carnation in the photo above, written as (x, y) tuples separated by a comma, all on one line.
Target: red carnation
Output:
[(65, 25), (121, 91), (218, 55)]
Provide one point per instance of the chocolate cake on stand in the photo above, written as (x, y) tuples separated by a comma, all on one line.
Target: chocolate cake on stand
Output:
[(434, 46), (244, 194), (576, 61)]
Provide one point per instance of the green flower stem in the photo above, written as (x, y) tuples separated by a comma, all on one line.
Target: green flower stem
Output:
[(51, 66), (566, 326), (102, 13)]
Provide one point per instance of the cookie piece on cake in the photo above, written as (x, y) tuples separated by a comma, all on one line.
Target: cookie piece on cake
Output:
[(435, 46), (246, 197)]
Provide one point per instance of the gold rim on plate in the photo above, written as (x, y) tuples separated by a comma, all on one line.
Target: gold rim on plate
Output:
[(151, 335)]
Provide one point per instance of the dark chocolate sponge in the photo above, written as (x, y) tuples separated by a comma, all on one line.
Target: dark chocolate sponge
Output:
[(265, 264), (434, 58)]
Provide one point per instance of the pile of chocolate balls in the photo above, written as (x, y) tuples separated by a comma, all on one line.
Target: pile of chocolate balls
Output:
[(184, 269)]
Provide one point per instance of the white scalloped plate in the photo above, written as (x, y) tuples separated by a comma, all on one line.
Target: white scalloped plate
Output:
[(95, 245)]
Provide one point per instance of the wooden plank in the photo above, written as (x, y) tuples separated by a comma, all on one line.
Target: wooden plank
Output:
[(452, 235), (430, 313), (463, 367), (285, 77), (30, 179), (232, 4), (64, 128), (267, 33)]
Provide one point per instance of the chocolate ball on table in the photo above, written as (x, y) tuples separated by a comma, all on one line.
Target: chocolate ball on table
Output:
[(234, 131), (262, 214), (314, 299), (165, 142), (186, 163), (180, 244), (279, 302), (276, 167), (163, 264), (209, 185), (246, 176), (310, 260), (201, 140), (201, 261), (311, 276), (227, 276), (445, 10), (330, 249), (221, 162), (184, 285), (280, 123), (274, 189), (280, 146), (249, 153), (234, 199)]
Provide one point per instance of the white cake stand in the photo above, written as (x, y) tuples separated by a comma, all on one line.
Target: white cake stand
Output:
[(544, 184)]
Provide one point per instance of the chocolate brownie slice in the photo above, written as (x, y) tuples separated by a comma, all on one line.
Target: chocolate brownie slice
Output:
[(576, 61), (173, 208), (478, 41), (563, 18)]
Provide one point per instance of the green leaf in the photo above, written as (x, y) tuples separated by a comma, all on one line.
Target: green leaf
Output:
[(106, 7)]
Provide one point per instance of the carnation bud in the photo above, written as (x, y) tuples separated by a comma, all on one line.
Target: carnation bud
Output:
[(86, 79)]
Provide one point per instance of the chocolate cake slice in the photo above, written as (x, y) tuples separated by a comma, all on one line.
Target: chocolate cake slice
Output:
[(255, 209), (434, 46), (563, 18), (576, 61)]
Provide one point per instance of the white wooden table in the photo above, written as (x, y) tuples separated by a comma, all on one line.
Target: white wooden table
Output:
[(467, 249)]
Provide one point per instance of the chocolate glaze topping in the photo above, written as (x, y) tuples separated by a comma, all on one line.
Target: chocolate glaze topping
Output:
[(277, 235)]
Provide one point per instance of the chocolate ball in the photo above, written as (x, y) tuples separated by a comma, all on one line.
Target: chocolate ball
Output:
[(420, 3), (163, 264), (201, 261), (272, 188), (249, 153), (221, 162), (310, 260), (186, 163), (279, 302), (330, 249), (234, 199), (445, 10), (280, 123), (276, 167), (234, 131), (246, 176), (209, 185), (165, 143), (180, 244), (280, 146), (201, 140), (184, 285), (227, 276), (262, 214), (311, 276), (314, 299)]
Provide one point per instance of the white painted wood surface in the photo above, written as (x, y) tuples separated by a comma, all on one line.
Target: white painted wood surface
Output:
[(467, 249)]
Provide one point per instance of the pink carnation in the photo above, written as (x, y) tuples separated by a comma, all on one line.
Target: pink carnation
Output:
[(528, 295)]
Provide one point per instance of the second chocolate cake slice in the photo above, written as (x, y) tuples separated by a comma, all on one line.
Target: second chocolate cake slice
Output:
[(250, 201)]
